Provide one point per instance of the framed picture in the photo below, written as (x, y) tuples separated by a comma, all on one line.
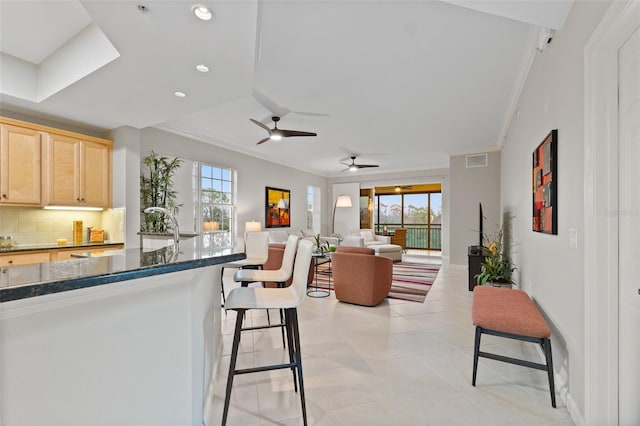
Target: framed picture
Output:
[(545, 185), (277, 208)]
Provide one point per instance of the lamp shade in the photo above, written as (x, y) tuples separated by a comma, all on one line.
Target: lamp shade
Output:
[(252, 226), (343, 201)]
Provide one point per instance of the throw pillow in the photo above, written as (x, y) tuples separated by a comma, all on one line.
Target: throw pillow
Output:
[(368, 236), (305, 233)]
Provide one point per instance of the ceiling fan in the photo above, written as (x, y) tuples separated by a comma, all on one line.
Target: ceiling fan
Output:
[(276, 134), (353, 166)]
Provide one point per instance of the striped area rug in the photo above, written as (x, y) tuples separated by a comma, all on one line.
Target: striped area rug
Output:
[(411, 280)]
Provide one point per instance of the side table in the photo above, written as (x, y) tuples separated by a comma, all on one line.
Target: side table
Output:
[(319, 259)]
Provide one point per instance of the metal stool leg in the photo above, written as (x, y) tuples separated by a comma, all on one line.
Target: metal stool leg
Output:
[(232, 364), (224, 300), (293, 316)]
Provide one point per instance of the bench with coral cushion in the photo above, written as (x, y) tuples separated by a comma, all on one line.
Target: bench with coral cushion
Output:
[(359, 276), (512, 314)]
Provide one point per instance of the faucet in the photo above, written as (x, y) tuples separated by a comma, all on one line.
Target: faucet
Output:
[(172, 218)]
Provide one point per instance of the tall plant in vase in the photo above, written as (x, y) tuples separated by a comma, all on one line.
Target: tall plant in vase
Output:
[(156, 190)]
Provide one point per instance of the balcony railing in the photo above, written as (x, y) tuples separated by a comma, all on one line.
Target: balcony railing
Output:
[(427, 237)]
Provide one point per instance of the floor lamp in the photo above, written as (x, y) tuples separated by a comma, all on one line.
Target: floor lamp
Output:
[(343, 201)]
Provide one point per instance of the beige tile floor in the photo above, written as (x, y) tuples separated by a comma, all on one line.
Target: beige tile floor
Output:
[(400, 363)]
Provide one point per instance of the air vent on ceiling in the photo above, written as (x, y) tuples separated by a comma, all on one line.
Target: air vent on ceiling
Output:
[(477, 160)]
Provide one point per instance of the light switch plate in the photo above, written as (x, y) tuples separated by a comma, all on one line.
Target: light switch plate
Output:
[(573, 238)]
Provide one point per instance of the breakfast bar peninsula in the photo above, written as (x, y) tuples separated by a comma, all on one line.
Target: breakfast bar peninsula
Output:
[(121, 337)]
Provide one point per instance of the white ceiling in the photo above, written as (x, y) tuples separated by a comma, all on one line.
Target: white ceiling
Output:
[(402, 84)]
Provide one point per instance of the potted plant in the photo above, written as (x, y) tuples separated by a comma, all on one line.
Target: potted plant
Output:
[(321, 246), (497, 269), (156, 190)]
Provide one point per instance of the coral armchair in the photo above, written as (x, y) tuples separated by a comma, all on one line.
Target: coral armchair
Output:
[(361, 277)]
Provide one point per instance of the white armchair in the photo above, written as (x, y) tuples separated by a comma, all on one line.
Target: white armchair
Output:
[(365, 238)]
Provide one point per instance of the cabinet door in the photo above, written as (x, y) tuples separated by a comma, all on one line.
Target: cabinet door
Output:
[(24, 258), (63, 158), (20, 165), (95, 176)]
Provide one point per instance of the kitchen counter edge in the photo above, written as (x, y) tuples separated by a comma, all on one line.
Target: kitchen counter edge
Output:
[(10, 293)]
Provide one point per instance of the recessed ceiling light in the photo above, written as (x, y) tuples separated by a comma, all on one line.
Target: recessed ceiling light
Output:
[(202, 12), (180, 94), (202, 68)]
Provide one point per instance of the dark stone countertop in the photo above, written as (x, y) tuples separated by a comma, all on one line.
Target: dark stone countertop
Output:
[(24, 281)]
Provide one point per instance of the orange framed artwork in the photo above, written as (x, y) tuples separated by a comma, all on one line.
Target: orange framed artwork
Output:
[(277, 208), (545, 185)]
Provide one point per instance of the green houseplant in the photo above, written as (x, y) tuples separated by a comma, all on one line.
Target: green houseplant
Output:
[(497, 269), (156, 190)]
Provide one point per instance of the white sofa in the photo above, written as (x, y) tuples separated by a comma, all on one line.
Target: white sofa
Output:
[(365, 238), (280, 236), (380, 244)]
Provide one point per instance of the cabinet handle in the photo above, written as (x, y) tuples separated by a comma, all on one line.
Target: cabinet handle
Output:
[(4, 195), (82, 200), (10, 262)]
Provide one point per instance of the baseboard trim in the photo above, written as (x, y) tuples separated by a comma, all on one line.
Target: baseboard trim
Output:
[(562, 393)]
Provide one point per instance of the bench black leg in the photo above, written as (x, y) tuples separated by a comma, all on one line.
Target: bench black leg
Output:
[(546, 345), (476, 351)]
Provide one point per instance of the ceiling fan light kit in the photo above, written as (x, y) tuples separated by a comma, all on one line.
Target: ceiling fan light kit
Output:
[(276, 134), (352, 167)]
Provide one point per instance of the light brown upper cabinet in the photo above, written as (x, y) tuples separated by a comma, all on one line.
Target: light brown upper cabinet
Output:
[(79, 172), (20, 165)]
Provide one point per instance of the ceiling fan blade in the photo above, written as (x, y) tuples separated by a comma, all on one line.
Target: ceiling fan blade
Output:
[(364, 166), (264, 126), (270, 104), (290, 133), (311, 114), (263, 141)]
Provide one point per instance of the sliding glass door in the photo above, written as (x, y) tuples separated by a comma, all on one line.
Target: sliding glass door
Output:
[(420, 213)]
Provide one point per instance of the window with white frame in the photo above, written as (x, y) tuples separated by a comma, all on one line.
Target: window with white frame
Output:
[(214, 203)]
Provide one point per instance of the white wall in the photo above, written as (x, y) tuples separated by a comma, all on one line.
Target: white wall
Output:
[(126, 179), (470, 186), (549, 270)]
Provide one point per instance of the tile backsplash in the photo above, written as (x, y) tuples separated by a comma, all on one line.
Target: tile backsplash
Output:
[(32, 225)]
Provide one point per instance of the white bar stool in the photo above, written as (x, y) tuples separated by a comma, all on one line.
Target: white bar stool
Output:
[(279, 276), (257, 251), (289, 298)]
